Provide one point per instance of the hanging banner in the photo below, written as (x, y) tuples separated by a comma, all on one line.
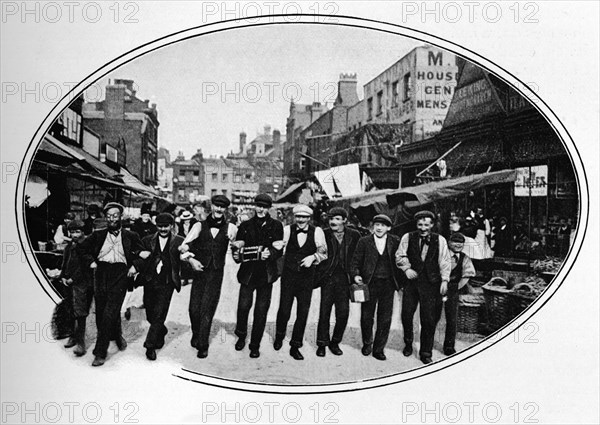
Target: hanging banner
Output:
[(532, 181)]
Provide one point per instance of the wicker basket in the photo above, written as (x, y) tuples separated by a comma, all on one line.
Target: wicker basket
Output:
[(469, 313), (510, 277), (497, 306), (521, 298)]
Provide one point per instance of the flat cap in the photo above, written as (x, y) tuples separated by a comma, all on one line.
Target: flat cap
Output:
[(302, 210), (113, 205), (382, 218), (457, 237), (220, 201), (263, 200), (164, 219), (424, 214), (75, 225), (337, 211)]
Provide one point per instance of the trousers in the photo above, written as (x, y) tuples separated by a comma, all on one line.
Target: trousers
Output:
[(204, 298), (334, 292), (381, 296)]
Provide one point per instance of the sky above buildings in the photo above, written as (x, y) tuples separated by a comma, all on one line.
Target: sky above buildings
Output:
[(210, 88)]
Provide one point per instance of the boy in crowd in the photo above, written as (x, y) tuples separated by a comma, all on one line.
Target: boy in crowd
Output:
[(80, 281), (462, 271), (373, 264)]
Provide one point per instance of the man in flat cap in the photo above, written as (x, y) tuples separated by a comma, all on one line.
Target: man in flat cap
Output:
[(160, 273), (113, 254), (259, 243), (79, 279), (373, 264), (425, 259), (207, 244), (305, 247), (333, 276)]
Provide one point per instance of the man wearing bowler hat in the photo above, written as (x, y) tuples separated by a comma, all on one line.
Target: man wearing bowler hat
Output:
[(113, 254), (333, 276), (373, 264), (425, 259), (206, 254), (161, 276), (258, 245), (305, 247)]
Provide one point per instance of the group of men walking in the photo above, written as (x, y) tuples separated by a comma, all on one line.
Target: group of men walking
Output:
[(337, 260)]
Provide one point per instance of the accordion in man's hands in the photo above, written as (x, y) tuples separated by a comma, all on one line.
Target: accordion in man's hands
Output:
[(251, 253)]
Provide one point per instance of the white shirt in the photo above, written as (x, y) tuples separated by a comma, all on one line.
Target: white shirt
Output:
[(197, 228), (162, 241), (112, 250), (320, 241), (380, 243)]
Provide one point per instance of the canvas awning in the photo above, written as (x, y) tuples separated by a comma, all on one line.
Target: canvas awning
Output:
[(430, 192), (289, 191)]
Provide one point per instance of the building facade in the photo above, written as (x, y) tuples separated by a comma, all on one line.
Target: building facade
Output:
[(187, 178), (128, 129)]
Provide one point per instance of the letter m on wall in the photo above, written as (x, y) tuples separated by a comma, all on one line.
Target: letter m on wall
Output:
[(434, 58)]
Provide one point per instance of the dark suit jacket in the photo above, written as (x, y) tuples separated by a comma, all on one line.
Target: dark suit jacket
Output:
[(149, 265), (252, 235), (366, 255), (73, 266), (132, 245), (325, 268)]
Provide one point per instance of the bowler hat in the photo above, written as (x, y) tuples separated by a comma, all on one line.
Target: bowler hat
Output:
[(424, 214), (164, 219), (113, 205), (382, 218), (302, 210), (220, 201), (263, 200), (337, 211)]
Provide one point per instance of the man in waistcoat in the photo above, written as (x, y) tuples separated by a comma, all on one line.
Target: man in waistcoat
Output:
[(305, 247), (161, 275), (425, 259), (209, 250), (113, 254), (373, 264), (333, 276), (257, 271)]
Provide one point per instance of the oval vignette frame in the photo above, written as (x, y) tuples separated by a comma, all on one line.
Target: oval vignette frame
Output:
[(358, 23)]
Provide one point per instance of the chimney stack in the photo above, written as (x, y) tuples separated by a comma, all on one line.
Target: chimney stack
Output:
[(347, 95), (277, 142), (242, 143), (114, 107)]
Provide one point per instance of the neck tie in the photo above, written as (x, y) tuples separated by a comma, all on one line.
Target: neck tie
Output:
[(115, 233)]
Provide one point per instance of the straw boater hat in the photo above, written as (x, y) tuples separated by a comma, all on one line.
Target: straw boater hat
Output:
[(186, 215)]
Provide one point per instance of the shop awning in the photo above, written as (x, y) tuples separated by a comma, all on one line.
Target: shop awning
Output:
[(289, 191), (430, 192)]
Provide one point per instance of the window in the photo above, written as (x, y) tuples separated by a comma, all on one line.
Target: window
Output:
[(269, 179), (215, 177), (395, 94), (237, 178), (379, 102), (370, 108), (181, 175), (213, 192), (224, 191), (406, 87), (196, 177), (181, 194), (225, 177)]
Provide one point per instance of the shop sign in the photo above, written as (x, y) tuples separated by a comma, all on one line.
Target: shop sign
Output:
[(532, 181)]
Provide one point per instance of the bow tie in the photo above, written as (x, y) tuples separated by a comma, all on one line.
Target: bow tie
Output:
[(425, 240), (299, 230), (115, 233)]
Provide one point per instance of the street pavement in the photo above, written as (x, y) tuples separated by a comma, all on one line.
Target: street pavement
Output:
[(276, 367)]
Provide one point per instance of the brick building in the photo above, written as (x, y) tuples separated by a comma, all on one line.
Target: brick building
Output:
[(301, 116), (128, 129), (188, 182)]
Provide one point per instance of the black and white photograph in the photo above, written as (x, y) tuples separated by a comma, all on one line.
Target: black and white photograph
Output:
[(313, 212)]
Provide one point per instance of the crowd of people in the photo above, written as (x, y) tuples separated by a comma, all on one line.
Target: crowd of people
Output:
[(162, 252)]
